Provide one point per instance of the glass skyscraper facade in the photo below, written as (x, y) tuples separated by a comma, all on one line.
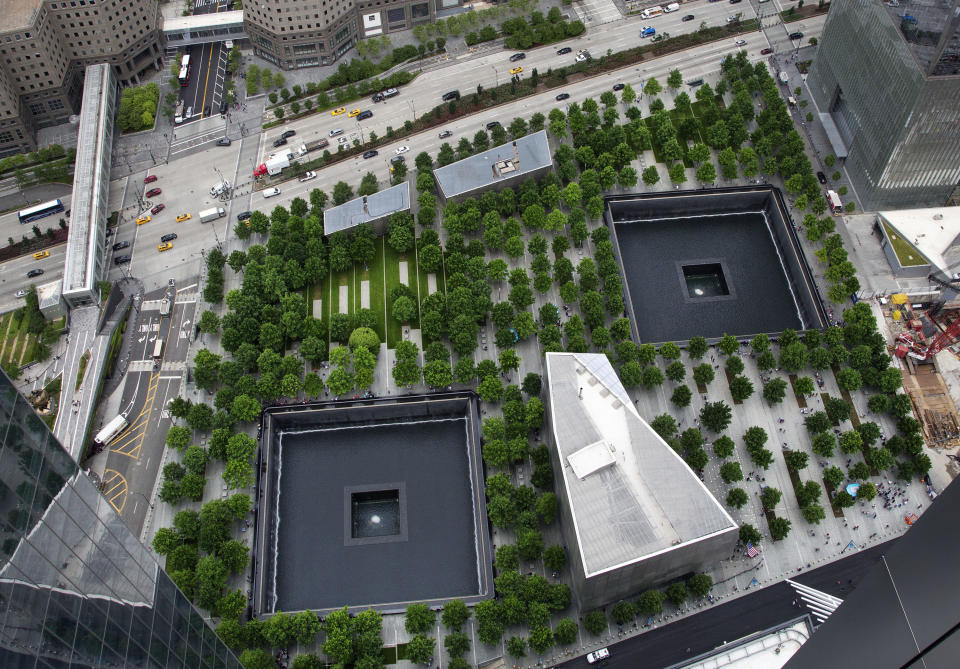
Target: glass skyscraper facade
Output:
[(888, 76), (77, 588)]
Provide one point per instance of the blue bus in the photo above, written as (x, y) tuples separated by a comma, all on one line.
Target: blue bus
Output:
[(40, 211)]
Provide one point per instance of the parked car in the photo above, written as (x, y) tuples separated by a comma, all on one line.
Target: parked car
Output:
[(366, 113), (492, 124), (150, 178), (244, 215), (377, 97), (158, 208), (120, 245), (119, 260), (517, 56), (354, 112), (582, 57), (270, 192), (688, 17), (223, 141), (288, 133), (401, 149), (279, 141), (372, 153), (732, 18), (153, 192), (398, 159), (764, 52), (563, 96), (166, 246), (307, 176), (34, 272), (565, 50), (223, 107), (821, 177), (618, 87), (451, 95), (338, 111), (183, 217), (796, 35), (169, 237), (445, 133)]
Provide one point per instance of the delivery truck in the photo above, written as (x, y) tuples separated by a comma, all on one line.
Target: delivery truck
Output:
[(312, 146), (213, 214), (273, 165)]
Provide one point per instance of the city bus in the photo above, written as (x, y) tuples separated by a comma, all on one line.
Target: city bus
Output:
[(111, 430), (40, 211), (184, 71)]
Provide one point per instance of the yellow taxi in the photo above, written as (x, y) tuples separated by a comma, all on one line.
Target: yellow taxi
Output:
[(355, 112), (166, 246), (338, 111), (143, 219), (183, 217), (40, 255), (516, 70)]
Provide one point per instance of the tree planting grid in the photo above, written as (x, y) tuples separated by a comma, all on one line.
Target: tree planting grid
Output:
[(316, 568), (652, 251)]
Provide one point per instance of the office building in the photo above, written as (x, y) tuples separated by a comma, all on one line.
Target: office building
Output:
[(293, 34), (77, 588), (886, 81), (45, 46), (633, 514)]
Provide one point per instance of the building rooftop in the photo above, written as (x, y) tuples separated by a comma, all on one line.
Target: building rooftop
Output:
[(89, 182), (48, 294), (522, 156), (18, 14), (630, 495), (198, 21), (934, 233), (367, 209)]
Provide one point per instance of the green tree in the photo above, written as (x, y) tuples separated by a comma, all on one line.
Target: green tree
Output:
[(419, 618), (737, 498), (455, 614), (677, 593), (699, 584), (779, 528), (420, 649), (775, 390), (595, 622), (716, 416)]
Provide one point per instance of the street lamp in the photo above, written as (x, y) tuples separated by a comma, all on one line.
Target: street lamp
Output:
[(496, 75)]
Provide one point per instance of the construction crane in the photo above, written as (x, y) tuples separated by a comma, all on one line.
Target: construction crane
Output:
[(951, 287), (945, 338)]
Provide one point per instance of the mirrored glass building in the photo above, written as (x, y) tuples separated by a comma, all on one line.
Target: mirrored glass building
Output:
[(886, 81), (77, 588)]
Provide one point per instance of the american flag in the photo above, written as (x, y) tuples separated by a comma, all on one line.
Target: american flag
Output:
[(751, 551)]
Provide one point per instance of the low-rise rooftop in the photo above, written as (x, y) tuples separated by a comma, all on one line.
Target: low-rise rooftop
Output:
[(631, 496), (526, 156), (933, 233), (367, 209)]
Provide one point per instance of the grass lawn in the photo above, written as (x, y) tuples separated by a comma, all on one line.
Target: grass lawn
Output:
[(906, 253), (391, 270), (377, 297)]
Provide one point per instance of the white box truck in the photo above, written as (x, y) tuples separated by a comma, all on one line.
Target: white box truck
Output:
[(213, 214)]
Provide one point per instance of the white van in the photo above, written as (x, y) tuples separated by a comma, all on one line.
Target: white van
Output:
[(672, 7), (270, 192), (335, 132)]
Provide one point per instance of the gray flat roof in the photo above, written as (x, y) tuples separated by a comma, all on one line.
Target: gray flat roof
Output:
[(379, 205), (482, 170), (630, 495), (90, 181)]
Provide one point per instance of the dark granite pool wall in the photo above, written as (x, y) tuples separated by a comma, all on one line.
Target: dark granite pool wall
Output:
[(378, 413), (765, 198)]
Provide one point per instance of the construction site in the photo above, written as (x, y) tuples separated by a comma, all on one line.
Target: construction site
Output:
[(925, 341)]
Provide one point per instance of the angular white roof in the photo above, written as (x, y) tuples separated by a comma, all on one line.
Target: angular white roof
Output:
[(934, 232), (630, 495)]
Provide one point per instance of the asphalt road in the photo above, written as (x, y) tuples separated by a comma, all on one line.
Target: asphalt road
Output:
[(769, 607), (134, 457)]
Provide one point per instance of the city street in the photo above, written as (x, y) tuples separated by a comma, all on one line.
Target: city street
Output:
[(135, 456)]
